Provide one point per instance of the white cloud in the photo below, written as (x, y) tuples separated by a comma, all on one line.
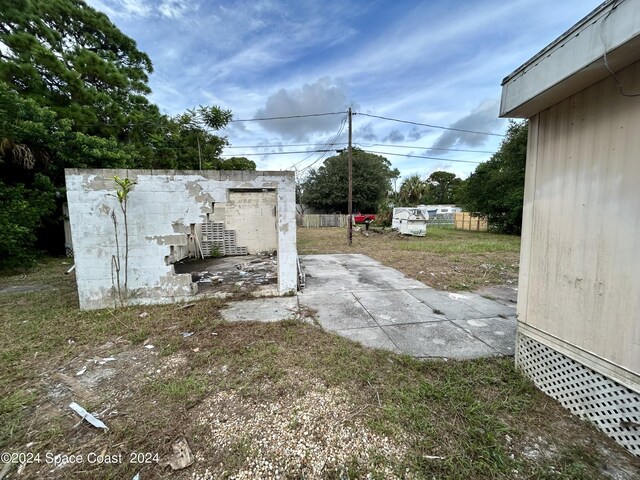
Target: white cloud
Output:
[(484, 118), (323, 96), (174, 8), (127, 9)]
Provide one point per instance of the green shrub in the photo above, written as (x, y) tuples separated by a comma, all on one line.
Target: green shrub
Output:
[(21, 215)]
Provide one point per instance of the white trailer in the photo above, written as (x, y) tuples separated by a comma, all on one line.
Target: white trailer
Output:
[(410, 221), (404, 212)]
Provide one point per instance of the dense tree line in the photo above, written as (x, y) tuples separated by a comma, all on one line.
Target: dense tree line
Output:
[(73, 93), (495, 190)]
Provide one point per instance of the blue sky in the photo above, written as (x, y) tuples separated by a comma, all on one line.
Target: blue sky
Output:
[(434, 62)]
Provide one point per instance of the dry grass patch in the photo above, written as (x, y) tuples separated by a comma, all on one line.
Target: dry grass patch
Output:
[(279, 400), (445, 258)]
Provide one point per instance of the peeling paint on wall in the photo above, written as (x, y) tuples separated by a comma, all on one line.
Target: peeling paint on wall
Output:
[(161, 210)]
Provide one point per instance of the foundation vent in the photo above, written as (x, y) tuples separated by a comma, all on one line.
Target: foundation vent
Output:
[(614, 409)]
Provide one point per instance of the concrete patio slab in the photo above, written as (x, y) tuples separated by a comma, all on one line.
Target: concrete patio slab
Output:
[(441, 339), (489, 308), (451, 308), (339, 311), (374, 337), (379, 307), (496, 331), (262, 310), (467, 325), (353, 272), (395, 307)]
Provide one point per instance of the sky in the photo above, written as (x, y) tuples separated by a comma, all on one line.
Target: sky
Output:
[(435, 62)]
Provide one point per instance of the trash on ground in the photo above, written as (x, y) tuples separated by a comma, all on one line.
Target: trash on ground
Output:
[(186, 334), (181, 458), (87, 416), (143, 315), (149, 346), (81, 371)]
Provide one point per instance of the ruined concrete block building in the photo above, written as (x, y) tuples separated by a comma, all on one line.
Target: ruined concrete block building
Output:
[(171, 215)]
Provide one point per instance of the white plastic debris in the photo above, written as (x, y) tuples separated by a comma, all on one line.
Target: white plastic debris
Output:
[(81, 371), (186, 334), (106, 360), (149, 346), (87, 416), (143, 315)]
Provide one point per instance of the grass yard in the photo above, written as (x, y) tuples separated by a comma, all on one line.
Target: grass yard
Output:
[(280, 400), (445, 258)]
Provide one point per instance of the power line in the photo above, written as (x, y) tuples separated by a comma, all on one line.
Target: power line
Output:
[(271, 153), (287, 117), (415, 147), (280, 145), (331, 145), (428, 125), (422, 147), (420, 156)]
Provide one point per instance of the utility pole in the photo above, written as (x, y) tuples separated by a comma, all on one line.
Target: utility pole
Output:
[(350, 202)]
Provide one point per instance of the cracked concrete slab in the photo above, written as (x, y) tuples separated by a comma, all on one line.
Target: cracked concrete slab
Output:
[(490, 308), (496, 331), (402, 314), (262, 310), (379, 307), (374, 337), (394, 307), (451, 307), (441, 339), (338, 311)]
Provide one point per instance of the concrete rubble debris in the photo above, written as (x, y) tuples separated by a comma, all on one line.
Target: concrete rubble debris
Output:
[(224, 274), (87, 416), (181, 458)]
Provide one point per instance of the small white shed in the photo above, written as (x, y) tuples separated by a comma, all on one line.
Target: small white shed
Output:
[(579, 288)]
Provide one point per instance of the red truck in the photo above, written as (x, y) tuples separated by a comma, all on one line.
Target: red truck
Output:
[(365, 218)]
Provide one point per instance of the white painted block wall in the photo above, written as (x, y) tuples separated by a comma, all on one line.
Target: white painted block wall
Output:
[(161, 207)]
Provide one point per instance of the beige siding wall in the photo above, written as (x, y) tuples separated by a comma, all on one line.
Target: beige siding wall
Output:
[(580, 260)]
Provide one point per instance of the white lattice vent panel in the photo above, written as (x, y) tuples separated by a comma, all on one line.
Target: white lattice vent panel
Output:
[(614, 409)]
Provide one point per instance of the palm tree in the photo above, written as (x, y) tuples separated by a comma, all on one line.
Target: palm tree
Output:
[(412, 190)]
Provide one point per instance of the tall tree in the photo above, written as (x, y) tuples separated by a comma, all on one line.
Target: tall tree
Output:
[(72, 58), (495, 189), (412, 190), (326, 189), (73, 94), (442, 188)]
